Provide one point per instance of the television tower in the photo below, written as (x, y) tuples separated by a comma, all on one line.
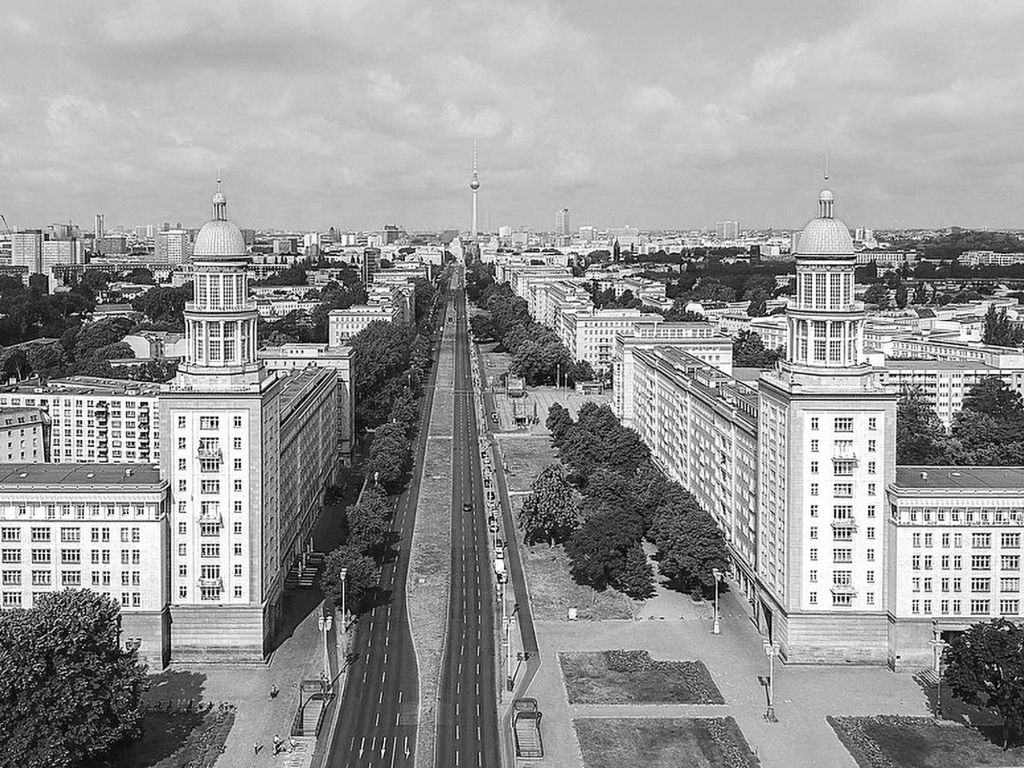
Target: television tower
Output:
[(474, 185)]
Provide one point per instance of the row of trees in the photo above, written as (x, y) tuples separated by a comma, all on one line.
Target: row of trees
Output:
[(68, 691), (606, 497), (538, 355), (989, 431), (390, 366), (749, 351)]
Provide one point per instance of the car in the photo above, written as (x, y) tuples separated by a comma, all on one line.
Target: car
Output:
[(494, 417), (493, 526), (467, 507)]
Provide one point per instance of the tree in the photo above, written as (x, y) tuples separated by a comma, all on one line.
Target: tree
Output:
[(748, 351), (691, 547), (369, 521), (920, 437), (405, 411), (757, 308), (164, 304), (998, 330), (389, 455), (68, 692), (549, 512), (985, 668), (636, 579), (901, 295), (482, 327), (46, 360), (558, 423), (360, 577), (994, 396), (878, 294), (581, 370), (597, 552), (381, 359)]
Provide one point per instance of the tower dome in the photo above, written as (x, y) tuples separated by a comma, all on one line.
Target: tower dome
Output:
[(825, 235), (219, 238)]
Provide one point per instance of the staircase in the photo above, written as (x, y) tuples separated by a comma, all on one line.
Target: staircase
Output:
[(311, 716), (526, 728), (303, 574)]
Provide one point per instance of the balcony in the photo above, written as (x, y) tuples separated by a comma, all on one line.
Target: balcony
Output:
[(211, 517), (213, 583), (210, 454), (845, 524), (202, 307), (844, 589)]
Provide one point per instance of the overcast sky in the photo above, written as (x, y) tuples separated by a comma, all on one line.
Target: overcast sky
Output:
[(656, 113)]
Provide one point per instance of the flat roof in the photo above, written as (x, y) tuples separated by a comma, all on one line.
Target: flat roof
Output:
[(960, 477), (939, 365), (87, 385), (128, 475)]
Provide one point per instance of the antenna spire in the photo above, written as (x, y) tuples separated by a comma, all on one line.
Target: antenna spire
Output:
[(826, 166)]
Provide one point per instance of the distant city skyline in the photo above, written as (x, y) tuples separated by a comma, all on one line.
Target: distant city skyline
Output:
[(130, 110)]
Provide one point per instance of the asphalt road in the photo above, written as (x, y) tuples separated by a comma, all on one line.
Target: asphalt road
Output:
[(377, 725), (467, 732)]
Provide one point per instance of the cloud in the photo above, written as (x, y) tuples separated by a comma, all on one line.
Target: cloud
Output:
[(364, 111)]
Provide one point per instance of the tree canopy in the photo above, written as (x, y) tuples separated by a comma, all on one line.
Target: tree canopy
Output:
[(748, 351), (68, 691), (360, 577), (984, 667)]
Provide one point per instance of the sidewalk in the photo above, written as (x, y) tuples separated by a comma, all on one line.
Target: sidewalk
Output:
[(258, 717)]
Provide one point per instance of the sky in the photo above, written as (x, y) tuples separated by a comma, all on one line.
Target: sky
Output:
[(653, 113)]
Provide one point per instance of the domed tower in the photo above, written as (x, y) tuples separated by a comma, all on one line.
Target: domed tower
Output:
[(220, 321), (825, 323)]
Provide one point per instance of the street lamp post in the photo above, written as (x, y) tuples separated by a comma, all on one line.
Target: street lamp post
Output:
[(324, 625), (771, 650), (344, 613), (716, 627), (938, 644)]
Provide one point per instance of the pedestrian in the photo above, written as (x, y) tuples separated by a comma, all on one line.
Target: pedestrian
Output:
[(273, 692), (277, 743), (292, 744), (255, 747)]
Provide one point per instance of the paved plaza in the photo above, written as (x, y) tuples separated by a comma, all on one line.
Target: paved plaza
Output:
[(672, 627)]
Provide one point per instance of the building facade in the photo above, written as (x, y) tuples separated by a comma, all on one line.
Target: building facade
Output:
[(102, 527)]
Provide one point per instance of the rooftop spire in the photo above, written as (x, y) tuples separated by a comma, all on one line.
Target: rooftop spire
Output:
[(826, 198), (220, 203)]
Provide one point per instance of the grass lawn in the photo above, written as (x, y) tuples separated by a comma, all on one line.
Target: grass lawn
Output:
[(526, 457), (174, 738), (918, 742), (633, 677), (712, 742)]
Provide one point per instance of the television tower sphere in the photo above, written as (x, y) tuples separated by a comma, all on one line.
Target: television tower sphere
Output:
[(474, 184)]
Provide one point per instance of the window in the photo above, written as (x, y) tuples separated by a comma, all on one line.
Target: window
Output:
[(843, 598), (980, 607), (871, 532), (814, 532), (209, 529), (915, 606), (237, 528), (814, 446), (209, 550), (842, 490), (872, 489), (915, 539), (1009, 584), (814, 467), (11, 579), (182, 551), (182, 486), (238, 465), (1010, 562), (871, 467), (814, 489), (181, 422), (1010, 540), (182, 529), (71, 578), (40, 534), (182, 464), (958, 562), (237, 443), (981, 585), (813, 556), (39, 556), (1009, 607), (12, 599), (842, 578), (981, 540), (981, 562), (872, 446), (842, 555), (813, 598), (928, 540), (209, 422), (870, 598), (182, 591), (871, 556), (238, 549), (237, 422), (844, 424), (945, 540), (871, 510), (237, 506), (182, 570), (814, 577), (44, 578), (814, 510), (872, 423), (182, 443), (238, 591), (71, 556), (210, 486), (238, 485), (814, 422), (10, 534), (945, 584), (958, 585), (843, 467)]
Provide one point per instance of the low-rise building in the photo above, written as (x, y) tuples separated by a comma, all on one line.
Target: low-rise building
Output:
[(24, 435), (102, 527), (955, 540), (343, 324), (95, 420)]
